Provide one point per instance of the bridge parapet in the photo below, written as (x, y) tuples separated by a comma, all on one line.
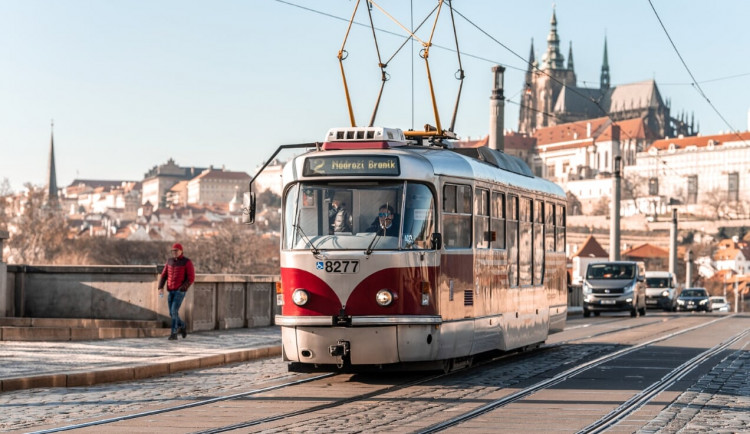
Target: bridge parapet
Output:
[(215, 301)]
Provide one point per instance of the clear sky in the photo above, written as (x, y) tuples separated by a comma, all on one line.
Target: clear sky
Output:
[(133, 83)]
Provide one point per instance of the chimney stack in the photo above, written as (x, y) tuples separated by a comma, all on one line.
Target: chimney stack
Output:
[(497, 111)]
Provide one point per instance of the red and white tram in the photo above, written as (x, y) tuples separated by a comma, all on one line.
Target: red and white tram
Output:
[(473, 259)]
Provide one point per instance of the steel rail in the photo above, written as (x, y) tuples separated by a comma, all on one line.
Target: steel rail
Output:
[(628, 407), (559, 378)]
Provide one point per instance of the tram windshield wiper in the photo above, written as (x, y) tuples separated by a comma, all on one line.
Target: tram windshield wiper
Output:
[(315, 251), (371, 246)]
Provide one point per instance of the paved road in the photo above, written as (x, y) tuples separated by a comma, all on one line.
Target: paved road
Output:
[(717, 399)]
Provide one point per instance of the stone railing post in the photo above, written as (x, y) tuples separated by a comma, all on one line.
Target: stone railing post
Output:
[(6, 302)]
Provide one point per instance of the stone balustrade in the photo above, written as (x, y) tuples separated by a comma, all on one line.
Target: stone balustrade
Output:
[(130, 293)]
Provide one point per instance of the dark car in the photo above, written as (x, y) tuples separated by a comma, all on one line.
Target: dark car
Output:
[(694, 299)]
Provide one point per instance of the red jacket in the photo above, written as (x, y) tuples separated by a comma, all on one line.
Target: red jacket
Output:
[(178, 274)]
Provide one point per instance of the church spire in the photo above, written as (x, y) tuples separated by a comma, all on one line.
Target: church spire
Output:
[(570, 56), (553, 59), (51, 173), (604, 83)]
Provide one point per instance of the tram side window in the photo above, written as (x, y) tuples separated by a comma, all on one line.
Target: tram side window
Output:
[(497, 225), (419, 220), (538, 242), (560, 228), (482, 234), (512, 237), (549, 227), (524, 242), (457, 216)]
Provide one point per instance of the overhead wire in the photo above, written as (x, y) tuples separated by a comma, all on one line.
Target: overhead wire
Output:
[(695, 83), (531, 65)]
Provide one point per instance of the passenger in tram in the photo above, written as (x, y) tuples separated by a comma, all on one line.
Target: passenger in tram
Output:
[(386, 223), (339, 217)]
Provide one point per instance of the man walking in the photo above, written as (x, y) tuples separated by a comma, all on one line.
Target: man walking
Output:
[(178, 275)]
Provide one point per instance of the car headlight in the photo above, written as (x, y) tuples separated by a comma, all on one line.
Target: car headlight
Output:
[(703, 302), (628, 288), (300, 297), (665, 294), (680, 302), (586, 288), (384, 297)]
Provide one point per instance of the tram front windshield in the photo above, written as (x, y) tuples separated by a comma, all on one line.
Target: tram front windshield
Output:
[(365, 216)]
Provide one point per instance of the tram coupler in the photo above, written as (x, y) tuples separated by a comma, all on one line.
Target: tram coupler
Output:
[(341, 349)]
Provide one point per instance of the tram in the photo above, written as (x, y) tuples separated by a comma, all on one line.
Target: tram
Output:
[(434, 254)]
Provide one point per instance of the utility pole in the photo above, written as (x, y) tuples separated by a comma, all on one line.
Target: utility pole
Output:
[(688, 268), (614, 228), (673, 243)]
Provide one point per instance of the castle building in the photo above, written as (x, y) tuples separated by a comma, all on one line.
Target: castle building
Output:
[(552, 96)]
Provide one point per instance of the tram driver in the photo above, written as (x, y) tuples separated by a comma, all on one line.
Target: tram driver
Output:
[(386, 223)]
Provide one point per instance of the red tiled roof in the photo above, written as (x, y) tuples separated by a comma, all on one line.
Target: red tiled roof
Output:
[(512, 140), (699, 141), (601, 130), (591, 248), (646, 251)]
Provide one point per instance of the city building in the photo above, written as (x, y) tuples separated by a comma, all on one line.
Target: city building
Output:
[(552, 96), (215, 186), (703, 175), (160, 179)]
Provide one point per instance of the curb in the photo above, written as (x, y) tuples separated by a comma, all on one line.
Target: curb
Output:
[(135, 372)]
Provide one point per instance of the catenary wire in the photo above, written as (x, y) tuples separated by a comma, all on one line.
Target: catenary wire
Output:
[(695, 82)]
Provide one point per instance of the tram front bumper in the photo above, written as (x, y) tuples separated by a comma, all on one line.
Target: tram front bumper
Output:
[(377, 345)]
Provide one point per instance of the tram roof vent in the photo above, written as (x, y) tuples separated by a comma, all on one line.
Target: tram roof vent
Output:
[(364, 138), (498, 159)]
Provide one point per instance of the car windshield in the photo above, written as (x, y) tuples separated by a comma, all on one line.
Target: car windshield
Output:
[(718, 300), (694, 293), (358, 216), (657, 282), (610, 271)]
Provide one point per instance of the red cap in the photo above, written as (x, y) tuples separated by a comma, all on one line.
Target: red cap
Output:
[(176, 246)]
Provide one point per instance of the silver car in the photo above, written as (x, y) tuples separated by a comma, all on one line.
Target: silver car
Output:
[(719, 304)]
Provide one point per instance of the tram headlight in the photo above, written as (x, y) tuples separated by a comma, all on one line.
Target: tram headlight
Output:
[(300, 297), (384, 297)]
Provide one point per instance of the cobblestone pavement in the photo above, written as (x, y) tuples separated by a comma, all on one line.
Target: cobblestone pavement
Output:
[(719, 402), (19, 359), (40, 406)]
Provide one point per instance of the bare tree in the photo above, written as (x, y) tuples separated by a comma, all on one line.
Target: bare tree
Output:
[(237, 249), (715, 200), (634, 187), (574, 205), (39, 232)]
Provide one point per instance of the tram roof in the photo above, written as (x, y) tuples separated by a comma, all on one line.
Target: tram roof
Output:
[(423, 162)]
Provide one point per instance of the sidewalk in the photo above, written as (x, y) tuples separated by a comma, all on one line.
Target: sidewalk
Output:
[(26, 365)]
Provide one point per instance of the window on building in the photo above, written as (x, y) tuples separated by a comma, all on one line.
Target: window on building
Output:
[(653, 186), (692, 189), (733, 187)]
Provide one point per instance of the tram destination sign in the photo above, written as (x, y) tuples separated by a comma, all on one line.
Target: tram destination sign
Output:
[(365, 165)]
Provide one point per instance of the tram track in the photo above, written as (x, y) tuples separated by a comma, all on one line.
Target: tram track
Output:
[(515, 358), (565, 375)]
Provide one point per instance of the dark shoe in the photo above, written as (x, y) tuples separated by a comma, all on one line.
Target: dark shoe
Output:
[(183, 332), (172, 337)]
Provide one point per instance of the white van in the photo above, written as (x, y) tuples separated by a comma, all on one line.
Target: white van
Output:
[(661, 290)]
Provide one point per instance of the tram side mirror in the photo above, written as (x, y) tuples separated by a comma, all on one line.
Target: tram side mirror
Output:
[(436, 240), (248, 208)]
